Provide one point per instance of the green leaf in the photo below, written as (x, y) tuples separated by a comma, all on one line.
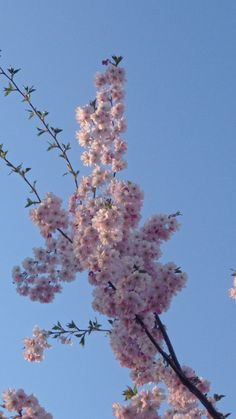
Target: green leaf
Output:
[(42, 131), (117, 60), (66, 146), (31, 113), (56, 327), (218, 397), (34, 184), (51, 146), (3, 153), (29, 90), (78, 335), (56, 130), (8, 89), (27, 169), (13, 71), (130, 392), (176, 214), (30, 202), (71, 325), (82, 341), (93, 104)]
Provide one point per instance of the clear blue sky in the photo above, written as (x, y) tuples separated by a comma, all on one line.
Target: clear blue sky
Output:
[(180, 62)]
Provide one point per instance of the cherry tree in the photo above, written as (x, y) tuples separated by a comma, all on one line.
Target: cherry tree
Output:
[(99, 231)]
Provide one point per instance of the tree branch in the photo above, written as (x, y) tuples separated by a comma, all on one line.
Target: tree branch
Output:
[(180, 374), (41, 116)]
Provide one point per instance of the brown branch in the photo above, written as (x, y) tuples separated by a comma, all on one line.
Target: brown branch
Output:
[(180, 374), (167, 340)]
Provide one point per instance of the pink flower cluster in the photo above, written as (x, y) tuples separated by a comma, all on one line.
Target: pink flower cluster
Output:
[(49, 215), (122, 258), (35, 346), (232, 291), (101, 125), (142, 406), (41, 276), (26, 407), (183, 403)]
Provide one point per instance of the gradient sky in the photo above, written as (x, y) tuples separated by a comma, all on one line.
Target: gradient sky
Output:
[(181, 66)]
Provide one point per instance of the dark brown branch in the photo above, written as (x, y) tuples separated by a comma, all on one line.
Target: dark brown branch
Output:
[(180, 374), (167, 340)]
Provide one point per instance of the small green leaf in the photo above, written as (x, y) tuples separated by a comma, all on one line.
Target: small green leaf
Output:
[(51, 146), (30, 202), (176, 214), (66, 146), (56, 327), (13, 71), (218, 397), (27, 169), (71, 325), (56, 130), (78, 335), (41, 131), (130, 392), (93, 104), (117, 60), (82, 341), (31, 113), (8, 89), (34, 184)]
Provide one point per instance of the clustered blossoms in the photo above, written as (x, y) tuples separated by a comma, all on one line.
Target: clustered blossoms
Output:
[(143, 405), (232, 291), (100, 233), (25, 407), (42, 275), (35, 346)]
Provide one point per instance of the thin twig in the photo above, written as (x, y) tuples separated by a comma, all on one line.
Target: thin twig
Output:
[(21, 172), (26, 98)]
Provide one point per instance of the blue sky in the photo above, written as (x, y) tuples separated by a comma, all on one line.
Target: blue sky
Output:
[(180, 63)]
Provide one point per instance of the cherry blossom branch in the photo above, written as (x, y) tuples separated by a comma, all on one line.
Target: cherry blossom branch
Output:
[(35, 346), (173, 362), (22, 173), (58, 331), (33, 111), (167, 340), (182, 377)]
